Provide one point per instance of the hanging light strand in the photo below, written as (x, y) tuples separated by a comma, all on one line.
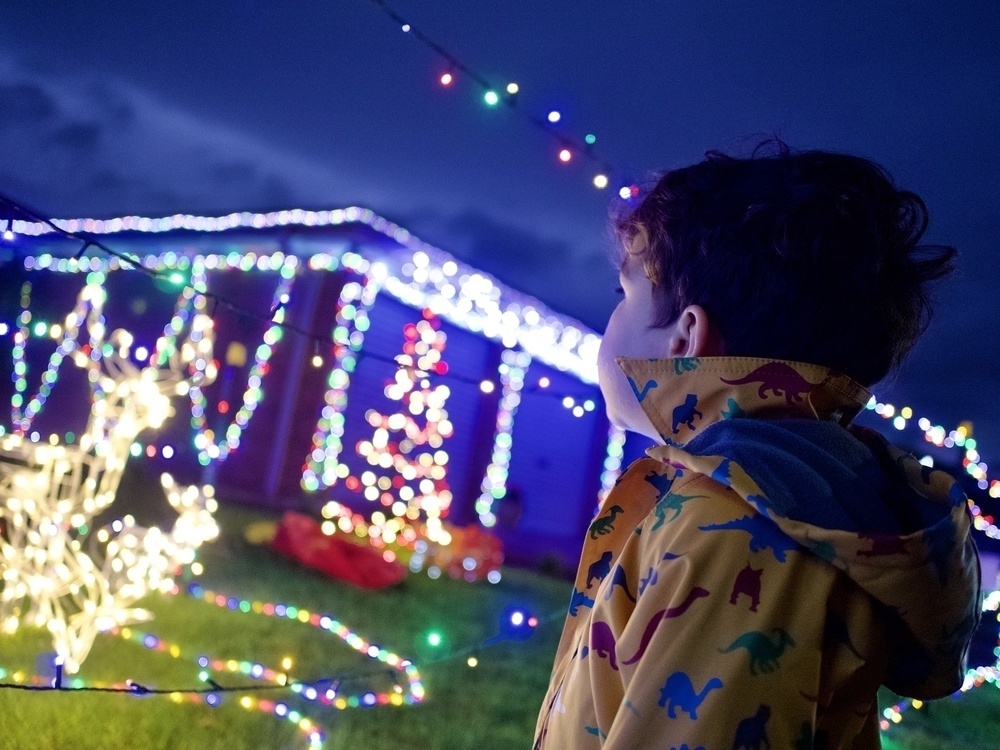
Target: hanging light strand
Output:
[(568, 146)]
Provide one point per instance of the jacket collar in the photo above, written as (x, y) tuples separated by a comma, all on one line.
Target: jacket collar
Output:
[(683, 396)]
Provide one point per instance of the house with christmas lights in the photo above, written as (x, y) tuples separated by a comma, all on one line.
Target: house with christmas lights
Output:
[(358, 373)]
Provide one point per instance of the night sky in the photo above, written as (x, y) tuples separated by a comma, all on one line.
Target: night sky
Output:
[(118, 108)]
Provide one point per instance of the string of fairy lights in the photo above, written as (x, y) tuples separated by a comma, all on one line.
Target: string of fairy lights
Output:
[(209, 447), (174, 270), (569, 147), (325, 693)]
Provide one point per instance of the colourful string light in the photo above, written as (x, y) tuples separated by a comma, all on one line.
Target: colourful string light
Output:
[(322, 467), (612, 460), (324, 692), (513, 366), (516, 624), (414, 690), (431, 279), (492, 98), (92, 298), (209, 448), (958, 438)]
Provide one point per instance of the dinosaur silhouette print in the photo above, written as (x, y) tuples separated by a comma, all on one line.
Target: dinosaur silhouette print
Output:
[(883, 544), (678, 693), (721, 473), (602, 640), (685, 413), (620, 578), (957, 495), (672, 502), (599, 569), (602, 643), (747, 582), (661, 482), (580, 599), (751, 733), (641, 394), (779, 379), (732, 410), (651, 577), (763, 505), (605, 524), (763, 535), (685, 364), (903, 462), (697, 592), (764, 649)]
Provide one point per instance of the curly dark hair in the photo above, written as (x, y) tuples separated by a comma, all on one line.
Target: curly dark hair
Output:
[(810, 256)]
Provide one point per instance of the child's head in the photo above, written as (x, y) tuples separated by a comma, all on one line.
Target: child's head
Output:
[(808, 256)]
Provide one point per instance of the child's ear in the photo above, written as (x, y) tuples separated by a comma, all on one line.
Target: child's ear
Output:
[(695, 335)]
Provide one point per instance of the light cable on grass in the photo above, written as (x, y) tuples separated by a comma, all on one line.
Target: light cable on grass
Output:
[(516, 625)]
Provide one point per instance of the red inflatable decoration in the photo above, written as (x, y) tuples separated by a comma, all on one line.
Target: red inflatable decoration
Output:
[(300, 537)]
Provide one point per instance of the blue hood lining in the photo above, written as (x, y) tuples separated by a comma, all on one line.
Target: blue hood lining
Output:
[(816, 472)]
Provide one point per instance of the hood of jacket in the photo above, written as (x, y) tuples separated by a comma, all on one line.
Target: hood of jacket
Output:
[(778, 433)]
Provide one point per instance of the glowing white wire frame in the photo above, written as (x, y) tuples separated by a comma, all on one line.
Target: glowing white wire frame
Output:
[(59, 572)]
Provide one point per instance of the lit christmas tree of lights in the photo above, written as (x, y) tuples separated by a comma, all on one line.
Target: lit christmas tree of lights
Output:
[(408, 474), (59, 572)]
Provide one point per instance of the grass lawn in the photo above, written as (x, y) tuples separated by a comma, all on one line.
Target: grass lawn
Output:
[(490, 707), (493, 705)]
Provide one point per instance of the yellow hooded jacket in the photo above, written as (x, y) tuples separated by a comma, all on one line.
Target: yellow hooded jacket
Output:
[(752, 582)]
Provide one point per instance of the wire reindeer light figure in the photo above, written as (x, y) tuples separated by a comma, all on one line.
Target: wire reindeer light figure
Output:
[(58, 571)]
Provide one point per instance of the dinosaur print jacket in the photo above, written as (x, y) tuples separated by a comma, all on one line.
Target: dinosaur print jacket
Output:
[(752, 582)]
